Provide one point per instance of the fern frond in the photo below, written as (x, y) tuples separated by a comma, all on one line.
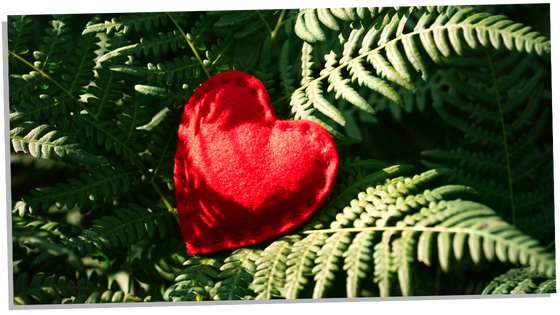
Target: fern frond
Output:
[(403, 254), (365, 78), (108, 133), (484, 226), (161, 148), (341, 87), (549, 286), (262, 73), (357, 261), (327, 262), (201, 31), (354, 166), (130, 225), (521, 281), (312, 25), (44, 240), (43, 141), (133, 113), (385, 70), (51, 289), (160, 261), (191, 284), (153, 45), (327, 18), (301, 30), (271, 268), (79, 68), (285, 70), (106, 91), (315, 94), (108, 296), (236, 19), (18, 36), (175, 97), (127, 22), (104, 181), (49, 57), (383, 261), (345, 191), (217, 58), (300, 262), (180, 69), (22, 86), (237, 272), (385, 201)]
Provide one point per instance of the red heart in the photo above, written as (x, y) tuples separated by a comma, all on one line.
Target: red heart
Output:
[(242, 176)]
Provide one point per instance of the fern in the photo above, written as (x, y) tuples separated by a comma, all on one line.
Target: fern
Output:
[(191, 284), (271, 268), (237, 273), (95, 102)]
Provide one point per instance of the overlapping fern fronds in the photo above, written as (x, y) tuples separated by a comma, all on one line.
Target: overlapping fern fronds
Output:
[(101, 100), (379, 37)]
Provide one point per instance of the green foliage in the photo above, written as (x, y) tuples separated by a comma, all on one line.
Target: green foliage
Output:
[(95, 106)]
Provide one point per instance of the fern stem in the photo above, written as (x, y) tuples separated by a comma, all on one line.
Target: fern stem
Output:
[(55, 82), (408, 228), (277, 27), (166, 202), (265, 24), (504, 135), (190, 44)]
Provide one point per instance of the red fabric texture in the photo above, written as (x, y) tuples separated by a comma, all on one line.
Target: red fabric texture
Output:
[(242, 176)]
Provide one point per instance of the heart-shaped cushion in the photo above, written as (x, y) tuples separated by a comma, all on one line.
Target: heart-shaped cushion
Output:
[(242, 176)]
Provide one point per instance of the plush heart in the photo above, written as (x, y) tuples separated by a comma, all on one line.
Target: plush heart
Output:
[(242, 176)]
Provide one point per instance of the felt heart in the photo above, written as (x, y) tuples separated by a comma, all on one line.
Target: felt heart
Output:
[(242, 176)]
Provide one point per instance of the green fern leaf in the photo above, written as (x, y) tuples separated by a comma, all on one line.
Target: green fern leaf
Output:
[(271, 268), (315, 95), (326, 17), (301, 30), (236, 19), (127, 22), (403, 256), (341, 13), (300, 262), (79, 68), (365, 78), (169, 72), (263, 73), (313, 26), (327, 262), (161, 149), (250, 30), (18, 36), (42, 141), (159, 261), (384, 268), (285, 70), (131, 224), (49, 57), (217, 58), (51, 289), (385, 70), (202, 30), (153, 45), (357, 260), (352, 188), (238, 271), (190, 284), (341, 87)]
